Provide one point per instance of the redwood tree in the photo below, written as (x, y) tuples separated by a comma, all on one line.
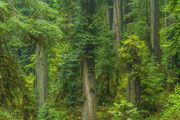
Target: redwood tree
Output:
[(88, 11), (155, 39)]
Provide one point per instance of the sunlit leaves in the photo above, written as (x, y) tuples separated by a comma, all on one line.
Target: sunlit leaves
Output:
[(43, 9), (133, 50), (124, 110), (3, 6)]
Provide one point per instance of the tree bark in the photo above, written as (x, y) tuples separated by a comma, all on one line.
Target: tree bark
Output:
[(88, 62), (134, 88), (41, 71), (41, 74), (155, 39), (117, 30), (148, 38), (117, 21), (110, 14), (89, 88)]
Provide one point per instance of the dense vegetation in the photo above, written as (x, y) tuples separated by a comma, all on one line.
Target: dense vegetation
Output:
[(90, 59)]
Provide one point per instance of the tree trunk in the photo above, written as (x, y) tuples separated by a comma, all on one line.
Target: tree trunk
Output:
[(148, 38), (155, 29), (117, 21), (110, 14), (134, 86), (41, 74), (117, 30), (89, 88), (88, 62)]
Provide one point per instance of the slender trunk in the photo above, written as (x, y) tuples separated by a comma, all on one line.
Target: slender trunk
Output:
[(148, 39), (117, 30), (89, 88), (88, 63), (107, 73), (133, 91), (117, 21), (110, 18), (41, 74), (110, 14), (155, 40), (117, 27)]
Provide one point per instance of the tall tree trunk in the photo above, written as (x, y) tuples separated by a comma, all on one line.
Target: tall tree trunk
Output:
[(134, 88), (89, 88), (155, 39), (110, 14), (41, 74), (88, 62), (134, 85), (106, 79), (117, 28), (148, 38), (117, 21)]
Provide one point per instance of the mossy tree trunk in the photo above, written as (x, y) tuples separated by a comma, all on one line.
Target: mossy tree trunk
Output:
[(88, 12), (41, 74), (155, 39), (117, 21)]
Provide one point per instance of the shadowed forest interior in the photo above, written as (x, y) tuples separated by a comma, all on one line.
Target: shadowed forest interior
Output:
[(89, 59)]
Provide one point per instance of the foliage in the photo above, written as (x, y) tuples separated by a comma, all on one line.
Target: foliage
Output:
[(136, 60), (133, 51), (170, 43), (69, 80), (57, 114), (124, 111), (106, 66), (4, 115), (70, 31), (172, 106)]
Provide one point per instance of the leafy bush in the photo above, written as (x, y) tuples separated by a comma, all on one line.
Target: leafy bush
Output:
[(46, 112), (7, 115), (136, 62), (124, 111), (172, 106), (57, 114)]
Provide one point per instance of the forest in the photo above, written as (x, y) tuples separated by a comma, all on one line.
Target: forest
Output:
[(89, 59)]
